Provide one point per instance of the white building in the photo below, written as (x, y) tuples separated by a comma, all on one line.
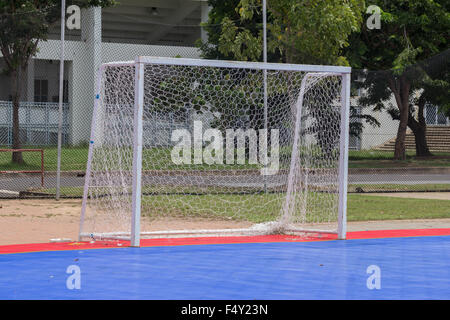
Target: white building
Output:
[(167, 28)]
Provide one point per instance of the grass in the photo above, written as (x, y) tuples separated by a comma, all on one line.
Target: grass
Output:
[(366, 208), (384, 159), (360, 207), (232, 206), (255, 208), (72, 159), (75, 159)]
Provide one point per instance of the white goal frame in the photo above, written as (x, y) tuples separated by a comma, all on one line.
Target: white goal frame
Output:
[(135, 235)]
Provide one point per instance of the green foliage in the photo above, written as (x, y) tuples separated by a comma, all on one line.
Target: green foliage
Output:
[(298, 31), (241, 44), (435, 83), (223, 11), (401, 60), (309, 32), (411, 31), (357, 121)]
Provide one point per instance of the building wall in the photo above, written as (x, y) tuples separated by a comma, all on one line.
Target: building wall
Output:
[(376, 136), (83, 58)]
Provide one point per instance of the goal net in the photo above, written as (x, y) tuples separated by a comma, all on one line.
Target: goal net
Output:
[(186, 147)]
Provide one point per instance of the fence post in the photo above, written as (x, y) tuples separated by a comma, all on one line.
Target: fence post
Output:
[(61, 97)]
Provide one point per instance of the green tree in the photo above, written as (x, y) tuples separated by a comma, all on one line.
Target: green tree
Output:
[(298, 31), (23, 25), (436, 85), (308, 32), (394, 61), (222, 9)]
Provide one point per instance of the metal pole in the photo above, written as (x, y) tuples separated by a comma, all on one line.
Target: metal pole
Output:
[(343, 156), (265, 30), (87, 179), (265, 75), (61, 94), (137, 154)]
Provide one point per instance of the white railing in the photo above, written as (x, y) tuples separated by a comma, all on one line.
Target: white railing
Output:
[(435, 118), (38, 123)]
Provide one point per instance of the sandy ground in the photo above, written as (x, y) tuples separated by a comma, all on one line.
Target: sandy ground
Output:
[(417, 195), (39, 221)]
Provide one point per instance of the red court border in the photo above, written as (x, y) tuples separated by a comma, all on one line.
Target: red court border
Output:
[(375, 234)]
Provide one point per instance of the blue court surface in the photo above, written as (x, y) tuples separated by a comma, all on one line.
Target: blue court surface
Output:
[(387, 268)]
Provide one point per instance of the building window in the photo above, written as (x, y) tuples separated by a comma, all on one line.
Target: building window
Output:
[(65, 93), (41, 90)]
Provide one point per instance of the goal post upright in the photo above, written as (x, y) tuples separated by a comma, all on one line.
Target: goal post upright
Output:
[(137, 153), (91, 149), (343, 161)]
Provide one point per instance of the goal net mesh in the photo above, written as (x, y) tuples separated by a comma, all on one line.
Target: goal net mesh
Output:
[(217, 153)]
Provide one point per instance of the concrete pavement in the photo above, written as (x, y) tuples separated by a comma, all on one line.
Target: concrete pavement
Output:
[(12, 184)]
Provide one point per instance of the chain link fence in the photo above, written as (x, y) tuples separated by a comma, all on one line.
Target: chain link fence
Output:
[(118, 33), (375, 131), (127, 30)]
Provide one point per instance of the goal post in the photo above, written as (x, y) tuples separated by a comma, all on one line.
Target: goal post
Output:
[(343, 157), (186, 147)]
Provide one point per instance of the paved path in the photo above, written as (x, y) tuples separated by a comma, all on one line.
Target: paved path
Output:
[(415, 195), (399, 178), (10, 185)]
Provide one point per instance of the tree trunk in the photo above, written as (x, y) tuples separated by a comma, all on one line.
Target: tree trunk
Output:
[(420, 138), (400, 146), (419, 128), (401, 88), (15, 87)]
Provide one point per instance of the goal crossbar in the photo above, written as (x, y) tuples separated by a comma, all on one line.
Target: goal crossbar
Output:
[(242, 64)]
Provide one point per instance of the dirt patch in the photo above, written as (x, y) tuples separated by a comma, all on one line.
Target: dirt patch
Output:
[(398, 224), (415, 195), (38, 221)]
